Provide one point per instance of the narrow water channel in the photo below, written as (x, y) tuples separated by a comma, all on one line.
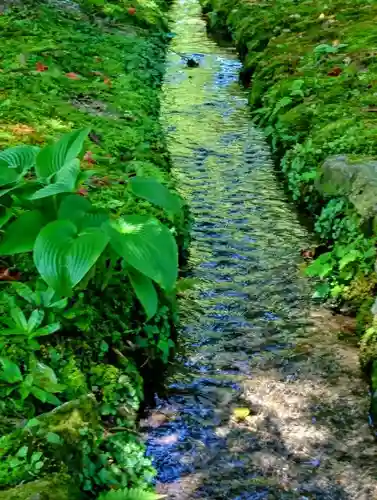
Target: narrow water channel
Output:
[(268, 402)]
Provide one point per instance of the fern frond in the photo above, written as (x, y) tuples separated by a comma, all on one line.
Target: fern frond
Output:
[(131, 494)]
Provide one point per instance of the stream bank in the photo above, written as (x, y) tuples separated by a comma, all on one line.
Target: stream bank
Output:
[(311, 73), (267, 401), (69, 399)]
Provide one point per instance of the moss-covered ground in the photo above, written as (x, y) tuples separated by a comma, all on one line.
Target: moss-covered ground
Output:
[(312, 72), (64, 66)]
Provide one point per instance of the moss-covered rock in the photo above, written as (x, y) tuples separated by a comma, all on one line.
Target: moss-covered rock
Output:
[(356, 179), (52, 487)]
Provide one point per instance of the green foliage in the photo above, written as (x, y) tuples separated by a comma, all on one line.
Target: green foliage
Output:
[(64, 251), (103, 76), (131, 494)]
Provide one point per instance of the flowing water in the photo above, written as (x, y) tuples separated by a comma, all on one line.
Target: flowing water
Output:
[(267, 402)]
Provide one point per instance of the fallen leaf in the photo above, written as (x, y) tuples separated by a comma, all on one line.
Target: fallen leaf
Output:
[(241, 413), (335, 43), (7, 275), (39, 66), (131, 11), (21, 129), (82, 192), (107, 81), (72, 76), (88, 156), (335, 71)]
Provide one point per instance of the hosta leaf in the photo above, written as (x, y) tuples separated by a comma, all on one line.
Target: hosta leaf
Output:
[(9, 371), (63, 256), (50, 249), (81, 212), (20, 235), (148, 246), (7, 175), (65, 181), (156, 193), (145, 292), (5, 215), (84, 252), (20, 158), (53, 157)]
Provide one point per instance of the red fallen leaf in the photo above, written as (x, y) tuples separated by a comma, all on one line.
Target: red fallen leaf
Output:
[(107, 81), (7, 275), (88, 156), (72, 76), (82, 192), (131, 11), (335, 71), (39, 66)]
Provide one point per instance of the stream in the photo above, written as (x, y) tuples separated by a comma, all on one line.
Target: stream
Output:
[(267, 400)]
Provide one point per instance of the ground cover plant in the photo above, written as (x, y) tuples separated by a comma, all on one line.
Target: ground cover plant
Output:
[(91, 231), (312, 73)]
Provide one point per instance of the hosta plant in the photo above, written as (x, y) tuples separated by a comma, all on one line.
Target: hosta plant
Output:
[(42, 213)]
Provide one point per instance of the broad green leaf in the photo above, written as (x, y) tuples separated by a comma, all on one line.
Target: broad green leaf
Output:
[(19, 318), (22, 452), (20, 235), (9, 371), (148, 246), (35, 320), (53, 157), (50, 249), (145, 292), (5, 215), (63, 256), (65, 181), (156, 193), (84, 252), (45, 378), (321, 266), (21, 158), (47, 330), (24, 291), (351, 256), (7, 175), (81, 212), (54, 438)]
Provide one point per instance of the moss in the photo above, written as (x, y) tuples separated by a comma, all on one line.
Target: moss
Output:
[(53, 487)]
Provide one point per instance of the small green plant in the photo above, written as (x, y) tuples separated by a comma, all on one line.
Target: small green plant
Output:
[(39, 381)]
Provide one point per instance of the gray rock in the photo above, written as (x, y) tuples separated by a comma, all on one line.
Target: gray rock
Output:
[(354, 178)]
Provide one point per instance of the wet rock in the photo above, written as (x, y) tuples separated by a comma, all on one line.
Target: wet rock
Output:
[(355, 178), (192, 63)]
